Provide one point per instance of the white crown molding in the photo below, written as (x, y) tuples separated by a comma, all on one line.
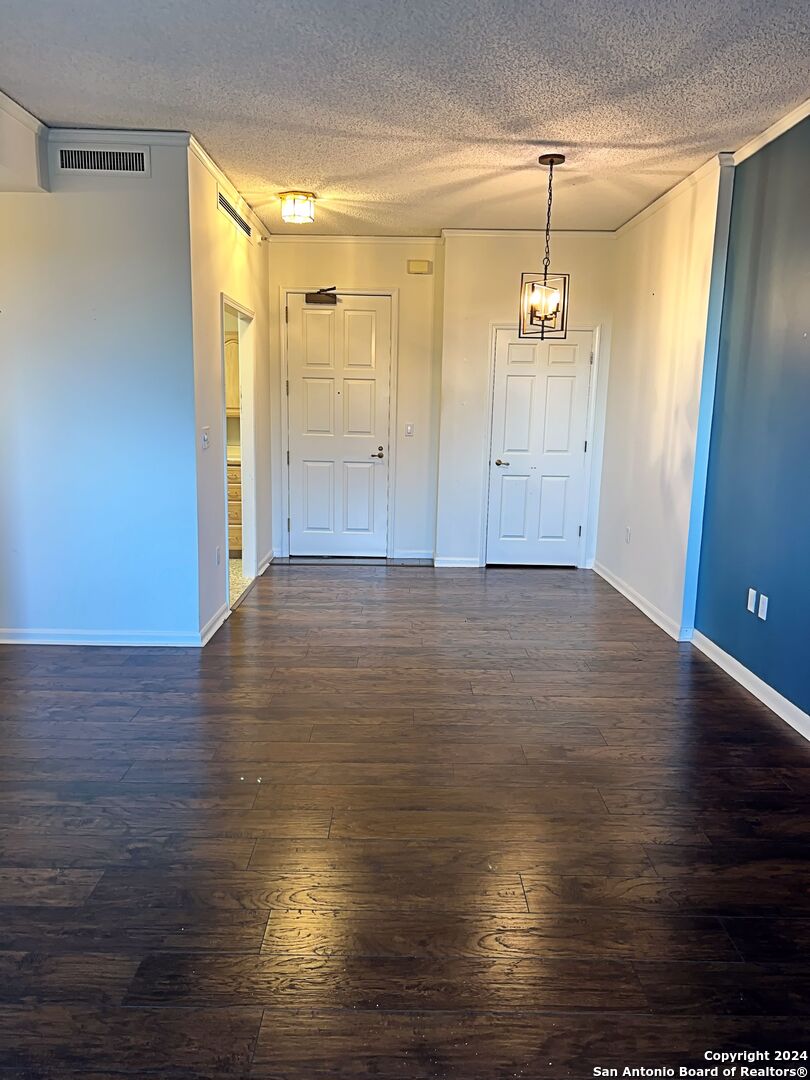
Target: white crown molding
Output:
[(531, 234), (244, 208), (117, 135), (722, 160), (83, 136), (776, 702), (791, 119), (326, 238), (21, 115), (73, 136)]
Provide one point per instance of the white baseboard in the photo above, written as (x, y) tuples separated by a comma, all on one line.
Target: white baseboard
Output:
[(213, 624), (137, 638), (264, 562), (643, 604), (412, 555), (790, 713), (456, 560)]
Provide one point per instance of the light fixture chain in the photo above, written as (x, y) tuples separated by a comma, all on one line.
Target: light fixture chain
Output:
[(547, 258)]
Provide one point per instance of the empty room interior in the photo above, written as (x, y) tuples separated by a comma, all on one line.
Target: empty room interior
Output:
[(404, 539)]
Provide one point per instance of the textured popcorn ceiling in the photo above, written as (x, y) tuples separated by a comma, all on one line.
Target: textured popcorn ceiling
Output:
[(409, 116)]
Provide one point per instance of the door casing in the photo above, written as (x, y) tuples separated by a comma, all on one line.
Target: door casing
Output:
[(284, 292), (247, 422)]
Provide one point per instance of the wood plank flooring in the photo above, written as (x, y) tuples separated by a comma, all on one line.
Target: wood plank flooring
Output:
[(401, 824)]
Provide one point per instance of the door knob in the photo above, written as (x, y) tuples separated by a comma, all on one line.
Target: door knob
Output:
[(499, 462), (380, 454)]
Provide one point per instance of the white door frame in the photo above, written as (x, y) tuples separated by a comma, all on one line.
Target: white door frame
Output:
[(247, 433), (284, 292), (593, 469)]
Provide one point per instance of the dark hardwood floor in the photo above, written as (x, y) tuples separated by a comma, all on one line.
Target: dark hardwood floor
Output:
[(398, 823)]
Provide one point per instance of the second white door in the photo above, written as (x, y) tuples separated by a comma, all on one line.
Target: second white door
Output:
[(537, 456), (339, 367)]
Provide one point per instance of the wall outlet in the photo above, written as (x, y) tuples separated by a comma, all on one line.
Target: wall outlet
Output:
[(752, 600), (762, 612), (219, 556), (627, 535)]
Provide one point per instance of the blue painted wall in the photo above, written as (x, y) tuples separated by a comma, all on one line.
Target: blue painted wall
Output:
[(757, 516)]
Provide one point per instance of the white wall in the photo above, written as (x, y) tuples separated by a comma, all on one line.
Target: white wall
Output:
[(224, 261), (23, 160), (481, 288), (379, 263), (97, 488), (661, 271)]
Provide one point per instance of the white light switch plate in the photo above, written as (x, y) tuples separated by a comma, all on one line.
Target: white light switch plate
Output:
[(763, 607), (409, 429), (752, 600)]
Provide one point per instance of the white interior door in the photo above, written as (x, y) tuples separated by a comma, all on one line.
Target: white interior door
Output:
[(537, 458), (339, 367)]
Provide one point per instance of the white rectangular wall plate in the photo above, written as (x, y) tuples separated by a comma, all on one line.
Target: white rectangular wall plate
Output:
[(752, 600), (762, 613)]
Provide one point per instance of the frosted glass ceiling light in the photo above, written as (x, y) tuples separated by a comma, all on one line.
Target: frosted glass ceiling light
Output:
[(543, 295), (297, 207)]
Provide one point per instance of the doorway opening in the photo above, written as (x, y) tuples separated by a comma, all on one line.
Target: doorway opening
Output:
[(238, 367)]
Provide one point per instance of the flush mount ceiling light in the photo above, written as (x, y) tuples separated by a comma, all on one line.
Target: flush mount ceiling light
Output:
[(297, 207), (543, 295)]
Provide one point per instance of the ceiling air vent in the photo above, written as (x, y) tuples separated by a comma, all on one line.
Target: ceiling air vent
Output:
[(227, 208), (104, 160)]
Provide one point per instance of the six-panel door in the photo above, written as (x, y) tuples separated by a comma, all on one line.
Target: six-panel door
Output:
[(537, 459), (339, 367)]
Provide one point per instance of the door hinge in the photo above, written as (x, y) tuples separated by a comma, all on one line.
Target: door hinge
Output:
[(591, 357), (288, 387), (288, 457), (586, 446), (288, 524), (580, 531), (287, 316)]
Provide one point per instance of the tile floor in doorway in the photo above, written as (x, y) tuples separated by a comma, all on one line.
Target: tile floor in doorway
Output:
[(238, 582)]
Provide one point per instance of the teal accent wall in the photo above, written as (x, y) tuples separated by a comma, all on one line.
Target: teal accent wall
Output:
[(756, 530)]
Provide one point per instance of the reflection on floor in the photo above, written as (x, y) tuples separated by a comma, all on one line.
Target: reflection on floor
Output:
[(506, 828), (238, 582)]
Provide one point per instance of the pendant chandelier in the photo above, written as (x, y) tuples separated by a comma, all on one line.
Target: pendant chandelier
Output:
[(543, 295)]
